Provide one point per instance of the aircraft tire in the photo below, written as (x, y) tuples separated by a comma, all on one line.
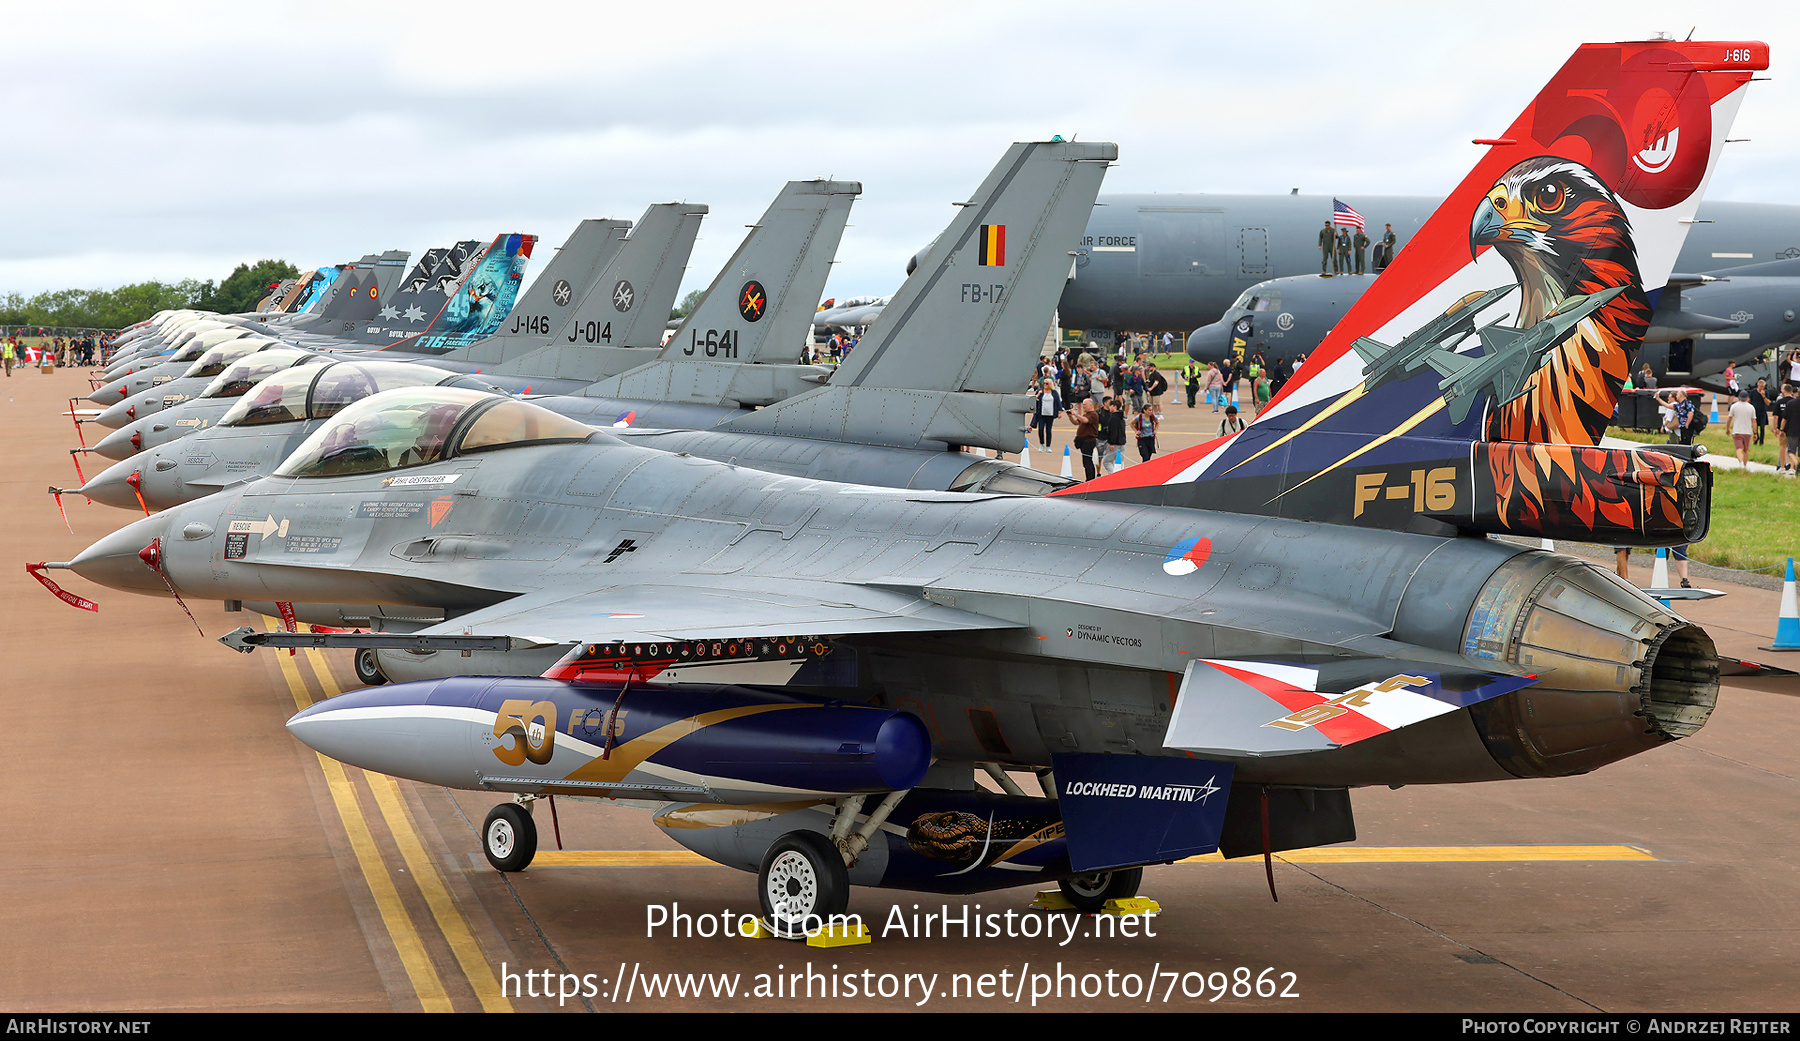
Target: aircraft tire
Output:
[(1089, 893), (368, 669), (509, 837), (802, 883)]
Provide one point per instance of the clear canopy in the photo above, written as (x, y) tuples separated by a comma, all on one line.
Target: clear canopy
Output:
[(310, 392), (422, 425), (245, 373), (217, 359)]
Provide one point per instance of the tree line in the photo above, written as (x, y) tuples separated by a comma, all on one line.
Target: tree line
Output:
[(130, 304)]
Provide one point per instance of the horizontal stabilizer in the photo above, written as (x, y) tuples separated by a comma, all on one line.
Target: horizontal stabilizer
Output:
[(1260, 708)]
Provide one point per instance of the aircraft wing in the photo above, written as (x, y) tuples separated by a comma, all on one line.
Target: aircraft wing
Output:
[(1264, 708), (678, 610)]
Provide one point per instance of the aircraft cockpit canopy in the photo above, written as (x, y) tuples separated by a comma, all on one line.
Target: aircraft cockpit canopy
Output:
[(217, 359), (310, 392), (248, 372), (1259, 298), (423, 425)]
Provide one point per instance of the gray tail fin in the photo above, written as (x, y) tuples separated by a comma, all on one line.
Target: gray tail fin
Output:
[(764, 298), (627, 306), (338, 292), (547, 305), (946, 361), (741, 345), (973, 314)]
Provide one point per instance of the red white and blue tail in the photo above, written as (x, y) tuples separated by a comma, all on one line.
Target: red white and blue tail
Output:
[(1470, 386)]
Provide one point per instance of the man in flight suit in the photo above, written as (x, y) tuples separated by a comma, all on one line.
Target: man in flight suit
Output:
[(1326, 240), (1361, 242), (1343, 250)]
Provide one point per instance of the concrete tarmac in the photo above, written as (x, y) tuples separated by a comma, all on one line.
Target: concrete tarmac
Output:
[(169, 847)]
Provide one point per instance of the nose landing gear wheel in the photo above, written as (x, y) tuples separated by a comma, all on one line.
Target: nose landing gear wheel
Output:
[(509, 837), (1089, 893), (367, 669), (802, 884)]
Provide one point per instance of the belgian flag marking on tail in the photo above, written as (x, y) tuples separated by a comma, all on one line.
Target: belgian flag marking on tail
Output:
[(993, 245)]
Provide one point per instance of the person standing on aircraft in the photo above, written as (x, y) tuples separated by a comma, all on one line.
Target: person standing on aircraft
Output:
[(1326, 241), (1343, 251), (1385, 254), (1361, 242)]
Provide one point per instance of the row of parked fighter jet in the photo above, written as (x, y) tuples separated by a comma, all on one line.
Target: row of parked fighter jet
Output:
[(199, 402)]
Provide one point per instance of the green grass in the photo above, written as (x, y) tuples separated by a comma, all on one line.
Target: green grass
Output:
[(1755, 521), (1755, 517), (1714, 437)]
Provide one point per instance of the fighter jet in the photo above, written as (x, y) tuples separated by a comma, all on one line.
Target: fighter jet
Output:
[(1383, 363), (1511, 354), (1180, 679)]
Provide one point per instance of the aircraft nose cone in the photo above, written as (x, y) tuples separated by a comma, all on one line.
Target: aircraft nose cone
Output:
[(111, 394), (1209, 343), (112, 486), (115, 416), (116, 560), (117, 445)]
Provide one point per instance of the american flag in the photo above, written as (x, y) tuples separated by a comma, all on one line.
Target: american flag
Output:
[(1341, 214)]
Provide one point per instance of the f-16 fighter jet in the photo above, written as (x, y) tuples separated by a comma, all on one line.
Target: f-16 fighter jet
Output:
[(1180, 678)]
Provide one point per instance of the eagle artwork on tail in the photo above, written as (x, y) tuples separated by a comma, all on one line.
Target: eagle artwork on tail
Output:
[(1564, 234)]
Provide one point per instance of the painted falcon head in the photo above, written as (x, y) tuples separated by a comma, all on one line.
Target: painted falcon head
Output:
[(1564, 233), (1560, 228)]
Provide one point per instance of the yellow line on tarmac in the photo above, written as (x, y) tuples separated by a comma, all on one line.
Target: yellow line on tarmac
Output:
[(425, 873), (1320, 855), (399, 924), (1444, 855)]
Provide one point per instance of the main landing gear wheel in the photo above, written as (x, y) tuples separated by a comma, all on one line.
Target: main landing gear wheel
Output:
[(509, 837), (802, 883), (1089, 893), (368, 670)]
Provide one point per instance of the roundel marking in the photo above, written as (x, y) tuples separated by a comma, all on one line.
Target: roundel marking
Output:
[(1284, 321), (752, 301), (560, 292), (622, 296), (1187, 556)]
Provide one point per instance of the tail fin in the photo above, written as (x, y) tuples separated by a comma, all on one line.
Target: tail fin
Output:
[(973, 315), (963, 330), (627, 306), (478, 290), (1548, 259), (741, 345), (547, 305)]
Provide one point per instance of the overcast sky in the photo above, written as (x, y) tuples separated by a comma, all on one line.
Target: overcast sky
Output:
[(178, 140)]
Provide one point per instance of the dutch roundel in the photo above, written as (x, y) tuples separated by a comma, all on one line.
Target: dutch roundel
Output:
[(1187, 556)]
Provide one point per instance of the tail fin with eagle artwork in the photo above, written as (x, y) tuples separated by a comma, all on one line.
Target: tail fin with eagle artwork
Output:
[(1544, 267)]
